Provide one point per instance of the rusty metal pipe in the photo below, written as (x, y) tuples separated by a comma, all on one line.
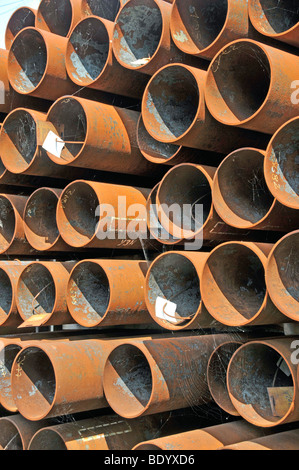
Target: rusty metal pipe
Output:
[(107, 9), (58, 16), (242, 198), (174, 112), (12, 235), (90, 60), (106, 137), (185, 207), (281, 441), (108, 293), (202, 28), (40, 221), (142, 39), (81, 223), (217, 372), (9, 349), (246, 86), (282, 275), (168, 374), (21, 18), (10, 99), (41, 294), (212, 438), (176, 277), (277, 21), (169, 154), (52, 379), (281, 164), (16, 432), (9, 275), (233, 285), (109, 432), (36, 65), (262, 382)]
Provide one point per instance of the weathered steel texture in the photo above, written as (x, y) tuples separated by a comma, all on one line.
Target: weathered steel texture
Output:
[(142, 39), (82, 225), (109, 432), (281, 164), (212, 438), (108, 293), (9, 349), (106, 137), (36, 65), (233, 285), (169, 374), (279, 22), (246, 86), (9, 275), (176, 277), (174, 112), (16, 432), (256, 369), (12, 235), (203, 28), (242, 198), (288, 440), (21, 18), (90, 61), (41, 294), (58, 16), (282, 275), (102, 8), (40, 221), (11, 99)]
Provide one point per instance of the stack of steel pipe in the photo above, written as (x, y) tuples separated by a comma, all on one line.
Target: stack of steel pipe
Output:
[(149, 226)]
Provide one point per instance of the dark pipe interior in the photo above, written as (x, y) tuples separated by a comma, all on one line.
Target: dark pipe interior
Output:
[(57, 14), (6, 296), (7, 223), (40, 217), (280, 15), (106, 9), (36, 291), (47, 439), (10, 438)]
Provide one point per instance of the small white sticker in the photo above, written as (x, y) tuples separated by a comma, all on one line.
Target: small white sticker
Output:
[(54, 144), (284, 367), (166, 310)]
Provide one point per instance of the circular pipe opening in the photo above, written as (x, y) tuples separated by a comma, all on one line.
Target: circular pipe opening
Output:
[(232, 94), (8, 355), (70, 122), (128, 381), (88, 294), (19, 141), (148, 447), (7, 223), (10, 438), (87, 51), (242, 197), (271, 17), (21, 18), (27, 61), (47, 439), (36, 292), (173, 277), (170, 104), (152, 149), (40, 219), (196, 24), (77, 210), (55, 16), (282, 164), (107, 9), (217, 373), (137, 33), (185, 198), (233, 285), (33, 383), (254, 376), (282, 275), (6, 297)]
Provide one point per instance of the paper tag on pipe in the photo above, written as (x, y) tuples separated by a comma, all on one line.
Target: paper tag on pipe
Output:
[(36, 320), (166, 310), (53, 144)]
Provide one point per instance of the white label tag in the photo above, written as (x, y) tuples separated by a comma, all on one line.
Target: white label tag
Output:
[(284, 367), (54, 144), (166, 310)]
